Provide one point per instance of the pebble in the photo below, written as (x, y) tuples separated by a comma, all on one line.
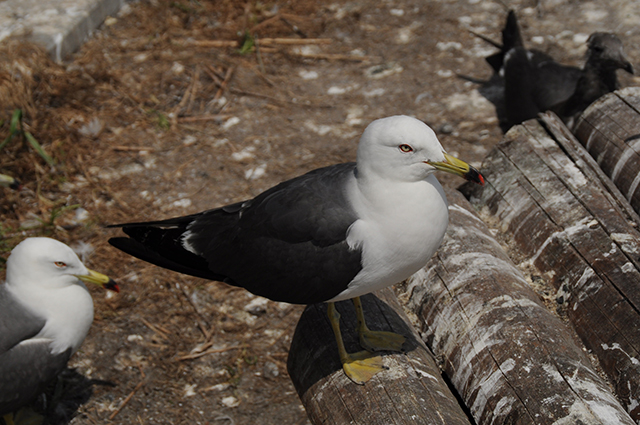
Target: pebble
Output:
[(246, 153), (190, 390), (231, 122), (448, 46), (257, 306), (92, 128), (308, 75), (336, 90), (182, 203), (380, 71), (256, 173), (177, 68), (230, 401), (270, 370), (189, 140)]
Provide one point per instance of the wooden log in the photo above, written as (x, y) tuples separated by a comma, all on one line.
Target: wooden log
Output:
[(587, 164), (610, 130), (511, 360), (577, 238), (411, 391)]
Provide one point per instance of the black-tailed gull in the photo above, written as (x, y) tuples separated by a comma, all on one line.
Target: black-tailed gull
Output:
[(45, 314), (332, 234)]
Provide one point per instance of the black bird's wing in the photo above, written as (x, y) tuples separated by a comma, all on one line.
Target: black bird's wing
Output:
[(534, 83), (287, 244), (554, 84)]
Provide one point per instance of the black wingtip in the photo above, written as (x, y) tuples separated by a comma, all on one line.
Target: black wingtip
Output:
[(126, 245), (511, 34), (178, 260)]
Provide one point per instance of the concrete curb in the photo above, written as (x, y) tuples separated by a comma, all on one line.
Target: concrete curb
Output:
[(60, 26)]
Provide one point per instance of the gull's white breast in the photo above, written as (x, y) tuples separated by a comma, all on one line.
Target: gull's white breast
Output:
[(399, 229)]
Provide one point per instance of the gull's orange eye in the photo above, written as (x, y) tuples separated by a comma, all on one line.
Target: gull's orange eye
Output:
[(60, 264), (405, 148)]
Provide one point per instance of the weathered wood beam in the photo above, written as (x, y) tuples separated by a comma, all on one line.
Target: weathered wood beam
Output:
[(510, 358), (576, 237), (610, 130), (579, 155), (411, 390)]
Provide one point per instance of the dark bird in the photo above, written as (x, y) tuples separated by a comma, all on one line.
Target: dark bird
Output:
[(534, 82), (332, 234), (45, 314)]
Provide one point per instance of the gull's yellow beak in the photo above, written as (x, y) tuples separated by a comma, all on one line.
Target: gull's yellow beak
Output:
[(99, 279), (453, 165)]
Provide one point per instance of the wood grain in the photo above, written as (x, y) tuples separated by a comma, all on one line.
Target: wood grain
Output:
[(568, 227)]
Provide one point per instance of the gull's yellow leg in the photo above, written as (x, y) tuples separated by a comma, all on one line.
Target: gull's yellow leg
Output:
[(8, 419), (375, 340), (24, 416), (360, 366)]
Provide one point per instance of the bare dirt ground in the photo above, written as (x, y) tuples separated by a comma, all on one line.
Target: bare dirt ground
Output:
[(146, 122)]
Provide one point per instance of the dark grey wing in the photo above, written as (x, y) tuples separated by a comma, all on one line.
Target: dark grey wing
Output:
[(16, 322), (25, 371), (287, 244)]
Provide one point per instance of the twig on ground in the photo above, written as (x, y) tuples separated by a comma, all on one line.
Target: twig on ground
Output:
[(294, 41), (206, 117), (126, 400), (182, 166), (202, 322), (162, 333), (293, 27), (132, 148), (211, 351), (333, 56), (212, 43), (105, 188), (188, 93), (223, 85), (139, 366), (215, 74), (264, 23), (265, 42), (194, 88), (256, 42)]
